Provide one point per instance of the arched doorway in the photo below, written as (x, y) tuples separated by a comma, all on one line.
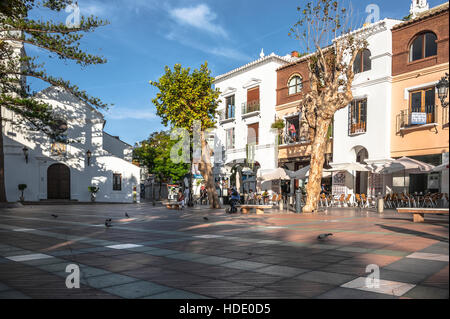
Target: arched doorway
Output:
[(58, 182), (361, 182)]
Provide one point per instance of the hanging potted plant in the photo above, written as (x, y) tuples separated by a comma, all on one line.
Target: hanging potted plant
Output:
[(93, 190), (22, 187)]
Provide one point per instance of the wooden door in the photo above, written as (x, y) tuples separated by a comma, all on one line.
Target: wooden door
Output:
[(58, 182)]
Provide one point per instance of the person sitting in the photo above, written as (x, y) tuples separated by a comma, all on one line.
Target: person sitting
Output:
[(235, 198), (181, 199)]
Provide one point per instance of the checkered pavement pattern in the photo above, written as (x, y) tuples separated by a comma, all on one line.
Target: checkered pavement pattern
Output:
[(159, 253)]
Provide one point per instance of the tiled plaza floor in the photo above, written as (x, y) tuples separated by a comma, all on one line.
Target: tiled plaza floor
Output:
[(160, 253)]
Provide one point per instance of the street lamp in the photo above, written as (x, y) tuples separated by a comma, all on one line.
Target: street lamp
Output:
[(442, 89), (88, 156), (25, 153)]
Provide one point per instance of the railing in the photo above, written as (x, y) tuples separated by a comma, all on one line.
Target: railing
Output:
[(224, 116), (250, 107), (287, 138), (408, 119), (358, 128)]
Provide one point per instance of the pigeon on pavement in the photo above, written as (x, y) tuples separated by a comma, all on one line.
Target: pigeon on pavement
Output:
[(54, 216), (108, 222), (323, 236), (205, 218), (126, 214)]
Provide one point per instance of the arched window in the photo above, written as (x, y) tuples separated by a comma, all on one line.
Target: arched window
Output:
[(295, 84), (362, 62), (423, 46)]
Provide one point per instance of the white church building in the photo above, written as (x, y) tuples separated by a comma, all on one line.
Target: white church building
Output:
[(65, 169)]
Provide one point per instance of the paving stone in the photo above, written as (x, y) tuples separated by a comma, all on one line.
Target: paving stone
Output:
[(424, 292), (282, 271), (326, 277), (417, 266), (107, 280), (244, 265), (213, 260), (137, 289), (348, 293)]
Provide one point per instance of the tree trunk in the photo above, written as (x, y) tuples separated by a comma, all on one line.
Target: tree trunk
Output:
[(2, 163), (316, 166), (206, 170)]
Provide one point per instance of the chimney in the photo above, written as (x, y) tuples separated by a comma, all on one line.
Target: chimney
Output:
[(294, 54)]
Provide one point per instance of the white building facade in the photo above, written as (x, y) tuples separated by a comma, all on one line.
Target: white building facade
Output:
[(64, 169), (362, 130), (244, 137)]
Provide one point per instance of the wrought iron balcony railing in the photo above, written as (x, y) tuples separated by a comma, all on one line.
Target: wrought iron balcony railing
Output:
[(407, 119), (250, 107)]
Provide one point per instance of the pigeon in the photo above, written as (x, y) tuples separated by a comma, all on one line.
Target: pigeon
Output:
[(126, 214), (205, 218), (54, 216), (108, 222), (323, 236)]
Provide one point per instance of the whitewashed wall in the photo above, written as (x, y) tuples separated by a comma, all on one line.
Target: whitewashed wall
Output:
[(86, 128)]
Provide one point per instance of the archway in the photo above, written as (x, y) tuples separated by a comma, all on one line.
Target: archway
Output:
[(58, 182), (361, 181)]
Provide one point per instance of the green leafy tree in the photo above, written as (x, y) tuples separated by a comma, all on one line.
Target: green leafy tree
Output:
[(186, 98), (54, 38), (323, 29), (154, 153)]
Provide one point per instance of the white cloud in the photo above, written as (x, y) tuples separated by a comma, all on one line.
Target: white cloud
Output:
[(200, 17)]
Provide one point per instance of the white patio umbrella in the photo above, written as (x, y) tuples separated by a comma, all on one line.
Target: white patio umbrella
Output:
[(406, 164), (441, 167), (275, 174), (303, 173)]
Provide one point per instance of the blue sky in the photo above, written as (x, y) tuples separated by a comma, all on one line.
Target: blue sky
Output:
[(145, 35)]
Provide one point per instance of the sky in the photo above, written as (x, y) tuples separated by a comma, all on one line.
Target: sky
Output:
[(144, 36)]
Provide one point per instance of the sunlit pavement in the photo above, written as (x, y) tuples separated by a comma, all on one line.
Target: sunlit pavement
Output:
[(160, 253)]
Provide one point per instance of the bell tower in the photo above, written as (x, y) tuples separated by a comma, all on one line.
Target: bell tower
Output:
[(418, 6)]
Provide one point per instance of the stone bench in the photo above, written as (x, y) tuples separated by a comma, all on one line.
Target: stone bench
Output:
[(259, 208), (418, 213)]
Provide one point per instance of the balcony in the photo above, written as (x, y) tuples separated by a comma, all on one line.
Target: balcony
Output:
[(226, 117), (411, 121), (250, 108), (285, 139)]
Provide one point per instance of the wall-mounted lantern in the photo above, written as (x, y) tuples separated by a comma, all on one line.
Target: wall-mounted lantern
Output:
[(88, 156), (442, 90), (25, 153)]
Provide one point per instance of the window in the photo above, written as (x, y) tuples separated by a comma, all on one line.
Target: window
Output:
[(230, 138), (117, 182), (253, 134), (423, 46), (295, 84), (357, 117), (362, 62), (230, 107), (292, 129), (422, 106)]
